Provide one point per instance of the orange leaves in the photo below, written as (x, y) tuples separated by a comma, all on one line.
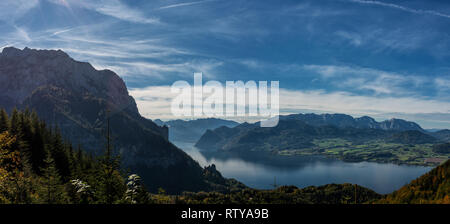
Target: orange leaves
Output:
[(9, 158)]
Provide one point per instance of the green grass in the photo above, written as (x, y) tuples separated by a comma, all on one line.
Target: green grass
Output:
[(372, 151)]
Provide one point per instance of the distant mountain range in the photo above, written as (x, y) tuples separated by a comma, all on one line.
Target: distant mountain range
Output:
[(79, 99), (192, 130), (298, 131), (444, 135), (345, 121)]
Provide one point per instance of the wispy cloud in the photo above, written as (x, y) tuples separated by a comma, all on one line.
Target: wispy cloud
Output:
[(11, 10), (354, 38), (22, 34), (155, 102), (346, 102), (123, 12), (403, 8), (185, 4), (113, 8), (378, 81)]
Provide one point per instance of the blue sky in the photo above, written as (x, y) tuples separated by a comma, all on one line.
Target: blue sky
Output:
[(379, 58)]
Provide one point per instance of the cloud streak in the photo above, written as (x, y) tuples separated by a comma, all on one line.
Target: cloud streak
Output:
[(112, 8), (185, 4), (377, 81), (403, 8), (11, 10)]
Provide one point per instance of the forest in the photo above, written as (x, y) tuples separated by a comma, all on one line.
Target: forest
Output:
[(38, 166)]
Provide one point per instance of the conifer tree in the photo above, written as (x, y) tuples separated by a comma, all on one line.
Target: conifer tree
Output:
[(37, 165), (4, 121), (15, 122), (112, 186), (37, 146), (59, 154), (52, 191)]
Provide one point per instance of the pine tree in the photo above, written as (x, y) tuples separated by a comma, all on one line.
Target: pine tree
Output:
[(59, 154), (4, 121), (52, 191), (112, 186), (37, 165), (37, 146), (15, 123)]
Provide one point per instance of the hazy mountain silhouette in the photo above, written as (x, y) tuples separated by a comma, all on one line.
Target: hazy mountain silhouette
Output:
[(192, 130)]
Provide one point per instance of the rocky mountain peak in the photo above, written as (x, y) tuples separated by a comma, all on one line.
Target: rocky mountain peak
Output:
[(22, 72), (15, 53)]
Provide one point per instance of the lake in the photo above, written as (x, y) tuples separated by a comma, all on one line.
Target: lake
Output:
[(263, 171)]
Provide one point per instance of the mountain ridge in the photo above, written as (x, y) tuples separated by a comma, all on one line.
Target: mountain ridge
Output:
[(344, 120), (80, 100), (432, 187), (336, 136)]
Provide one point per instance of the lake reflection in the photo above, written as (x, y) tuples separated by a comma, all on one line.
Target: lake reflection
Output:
[(259, 171)]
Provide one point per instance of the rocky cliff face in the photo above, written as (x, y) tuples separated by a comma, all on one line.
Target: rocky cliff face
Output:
[(78, 99)]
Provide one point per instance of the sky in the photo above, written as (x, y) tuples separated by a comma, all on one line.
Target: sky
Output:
[(379, 58)]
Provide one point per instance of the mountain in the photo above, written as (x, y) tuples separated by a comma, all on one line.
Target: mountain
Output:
[(432, 187), (443, 135), (287, 135), (80, 99), (411, 137), (343, 121), (297, 131), (158, 122), (192, 130)]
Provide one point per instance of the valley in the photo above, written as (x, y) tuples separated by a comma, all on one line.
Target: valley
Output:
[(372, 151), (337, 136), (265, 170)]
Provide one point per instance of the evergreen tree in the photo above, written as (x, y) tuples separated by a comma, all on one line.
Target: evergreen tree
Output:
[(112, 184), (52, 191), (59, 154), (37, 165), (37, 146), (15, 123), (4, 121)]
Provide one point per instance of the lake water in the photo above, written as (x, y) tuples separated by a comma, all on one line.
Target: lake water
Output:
[(262, 171)]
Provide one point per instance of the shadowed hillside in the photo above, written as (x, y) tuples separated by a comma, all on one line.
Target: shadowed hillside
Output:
[(432, 187)]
